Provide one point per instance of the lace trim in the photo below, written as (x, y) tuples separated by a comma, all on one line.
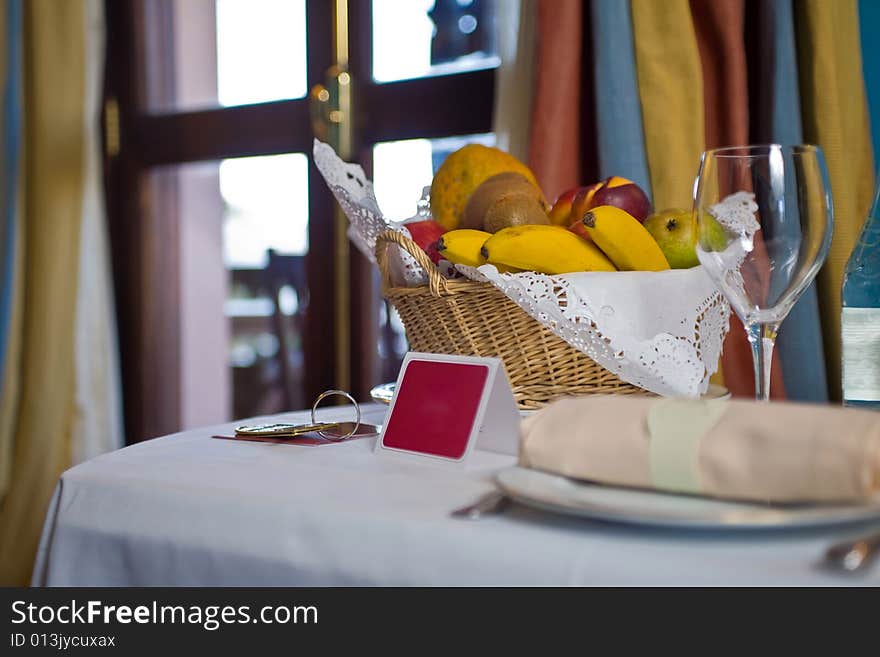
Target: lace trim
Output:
[(667, 364)]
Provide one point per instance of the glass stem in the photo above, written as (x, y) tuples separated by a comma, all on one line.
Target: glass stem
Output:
[(762, 338)]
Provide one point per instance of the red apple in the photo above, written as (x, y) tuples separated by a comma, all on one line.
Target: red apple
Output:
[(426, 233), (582, 202), (561, 209), (561, 213), (577, 227), (623, 194), (617, 181)]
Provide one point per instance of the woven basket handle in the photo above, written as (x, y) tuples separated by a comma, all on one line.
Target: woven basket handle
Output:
[(436, 282)]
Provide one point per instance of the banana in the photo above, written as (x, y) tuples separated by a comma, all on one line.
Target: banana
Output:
[(624, 240), (545, 249), (462, 246)]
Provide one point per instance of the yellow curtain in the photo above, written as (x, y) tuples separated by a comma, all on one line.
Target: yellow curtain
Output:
[(835, 116), (670, 77), (54, 151), (671, 93)]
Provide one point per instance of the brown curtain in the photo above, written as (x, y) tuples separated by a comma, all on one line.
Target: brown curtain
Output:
[(719, 25)]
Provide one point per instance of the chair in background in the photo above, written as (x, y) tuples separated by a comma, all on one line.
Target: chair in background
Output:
[(287, 271)]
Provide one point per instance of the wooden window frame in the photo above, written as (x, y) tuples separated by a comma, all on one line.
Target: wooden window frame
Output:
[(143, 223)]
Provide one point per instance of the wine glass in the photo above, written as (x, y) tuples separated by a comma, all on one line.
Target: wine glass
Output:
[(764, 220)]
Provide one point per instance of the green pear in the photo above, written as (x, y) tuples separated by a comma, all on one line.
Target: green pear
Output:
[(675, 233)]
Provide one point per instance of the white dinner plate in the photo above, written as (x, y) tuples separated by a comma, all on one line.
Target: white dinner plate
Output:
[(559, 494)]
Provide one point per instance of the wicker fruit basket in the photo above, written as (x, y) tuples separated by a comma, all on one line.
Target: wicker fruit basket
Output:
[(476, 319)]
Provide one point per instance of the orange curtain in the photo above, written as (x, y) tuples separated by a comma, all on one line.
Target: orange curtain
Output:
[(555, 141)]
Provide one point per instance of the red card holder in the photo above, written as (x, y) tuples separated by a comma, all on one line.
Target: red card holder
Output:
[(444, 406), (435, 410)]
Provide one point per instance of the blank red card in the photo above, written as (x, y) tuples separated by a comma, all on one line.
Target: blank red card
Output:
[(435, 408)]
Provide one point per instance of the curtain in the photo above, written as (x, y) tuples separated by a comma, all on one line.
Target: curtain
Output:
[(60, 378), (869, 25), (621, 141), (515, 79), (719, 27), (555, 151), (98, 413), (835, 116), (10, 233), (659, 82), (775, 105), (671, 95)]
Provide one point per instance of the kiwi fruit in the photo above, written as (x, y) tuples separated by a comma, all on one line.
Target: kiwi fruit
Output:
[(506, 199), (514, 209)]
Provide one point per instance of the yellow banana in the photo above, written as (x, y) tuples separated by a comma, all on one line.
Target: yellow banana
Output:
[(462, 246), (545, 249), (624, 240)]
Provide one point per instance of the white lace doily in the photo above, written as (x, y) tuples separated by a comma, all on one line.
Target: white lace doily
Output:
[(356, 197), (661, 331), (737, 213)]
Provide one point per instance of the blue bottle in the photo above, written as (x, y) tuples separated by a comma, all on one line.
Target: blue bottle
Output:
[(860, 317)]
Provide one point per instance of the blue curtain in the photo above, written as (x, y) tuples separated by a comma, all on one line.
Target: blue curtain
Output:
[(776, 115), (619, 131), (9, 166), (869, 28)]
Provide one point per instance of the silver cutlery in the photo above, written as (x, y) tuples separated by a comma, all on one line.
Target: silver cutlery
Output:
[(492, 502), (854, 555)]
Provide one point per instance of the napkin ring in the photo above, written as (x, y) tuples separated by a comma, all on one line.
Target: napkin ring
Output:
[(357, 409)]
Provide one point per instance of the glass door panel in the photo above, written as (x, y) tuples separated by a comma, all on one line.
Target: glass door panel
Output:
[(420, 38), (243, 237), (225, 53), (265, 241), (401, 169), (266, 200), (261, 51)]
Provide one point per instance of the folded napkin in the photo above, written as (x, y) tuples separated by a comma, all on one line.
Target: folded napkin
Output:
[(776, 452)]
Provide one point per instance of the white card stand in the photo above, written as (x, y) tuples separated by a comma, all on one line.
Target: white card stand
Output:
[(499, 424), (495, 425)]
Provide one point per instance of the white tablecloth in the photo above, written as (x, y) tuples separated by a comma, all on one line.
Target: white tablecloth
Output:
[(191, 510)]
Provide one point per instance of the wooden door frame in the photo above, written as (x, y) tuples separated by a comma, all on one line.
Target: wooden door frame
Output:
[(143, 224), (144, 235), (145, 258)]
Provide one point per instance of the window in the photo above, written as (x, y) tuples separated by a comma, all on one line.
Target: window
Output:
[(225, 253), (418, 38)]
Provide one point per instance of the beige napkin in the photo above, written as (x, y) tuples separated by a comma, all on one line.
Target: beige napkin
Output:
[(779, 452)]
